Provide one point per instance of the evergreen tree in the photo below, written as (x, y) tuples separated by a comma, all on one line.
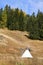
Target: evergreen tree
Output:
[(16, 19), (1, 17), (4, 19), (33, 27), (21, 21), (8, 12), (1, 14), (40, 22)]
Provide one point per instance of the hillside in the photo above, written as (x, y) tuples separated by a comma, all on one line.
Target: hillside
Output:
[(13, 44)]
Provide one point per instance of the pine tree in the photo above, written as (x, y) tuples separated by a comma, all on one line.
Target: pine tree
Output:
[(1, 17), (21, 21), (40, 22), (4, 19), (33, 28), (16, 19)]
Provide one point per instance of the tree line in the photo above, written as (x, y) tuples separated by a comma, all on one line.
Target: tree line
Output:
[(15, 19)]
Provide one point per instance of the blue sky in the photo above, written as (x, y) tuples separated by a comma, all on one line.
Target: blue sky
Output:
[(29, 6)]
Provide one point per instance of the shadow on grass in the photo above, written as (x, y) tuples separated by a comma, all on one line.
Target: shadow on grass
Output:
[(41, 39), (29, 37)]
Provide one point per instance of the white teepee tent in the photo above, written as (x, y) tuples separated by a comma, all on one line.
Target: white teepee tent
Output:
[(27, 54)]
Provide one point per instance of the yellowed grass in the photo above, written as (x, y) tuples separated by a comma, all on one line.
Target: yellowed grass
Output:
[(10, 54)]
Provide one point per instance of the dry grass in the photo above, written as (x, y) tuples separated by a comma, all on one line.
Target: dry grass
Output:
[(11, 52)]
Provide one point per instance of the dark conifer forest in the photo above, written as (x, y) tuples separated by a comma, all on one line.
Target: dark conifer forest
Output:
[(15, 19)]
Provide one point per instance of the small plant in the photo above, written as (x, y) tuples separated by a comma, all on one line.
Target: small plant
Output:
[(20, 63)]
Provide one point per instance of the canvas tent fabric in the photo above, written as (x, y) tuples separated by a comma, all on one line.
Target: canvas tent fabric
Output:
[(27, 54)]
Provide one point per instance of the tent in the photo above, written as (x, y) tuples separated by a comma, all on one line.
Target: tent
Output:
[(27, 54)]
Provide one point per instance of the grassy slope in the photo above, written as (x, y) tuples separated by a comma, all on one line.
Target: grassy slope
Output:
[(11, 53)]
